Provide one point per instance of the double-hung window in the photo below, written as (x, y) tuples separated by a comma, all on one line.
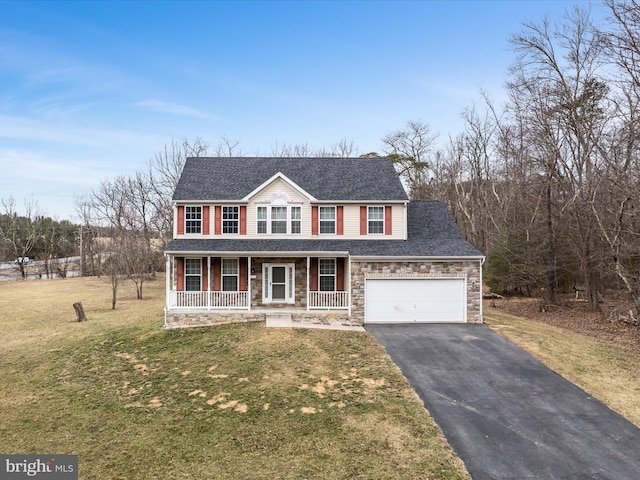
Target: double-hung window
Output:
[(296, 219), (327, 274), (193, 219), (262, 220), (230, 274), (327, 220), (375, 219), (230, 219), (192, 274), (278, 220)]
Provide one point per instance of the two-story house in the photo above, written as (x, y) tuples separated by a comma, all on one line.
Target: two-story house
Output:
[(314, 237)]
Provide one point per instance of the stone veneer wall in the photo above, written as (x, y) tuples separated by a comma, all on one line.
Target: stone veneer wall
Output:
[(300, 282), (200, 319), (423, 269)]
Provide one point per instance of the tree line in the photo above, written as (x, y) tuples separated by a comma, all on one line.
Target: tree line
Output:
[(548, 184), (34, 236)]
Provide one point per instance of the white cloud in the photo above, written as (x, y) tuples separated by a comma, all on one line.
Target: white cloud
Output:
[(25, 167), (159, 106), (21, 128)]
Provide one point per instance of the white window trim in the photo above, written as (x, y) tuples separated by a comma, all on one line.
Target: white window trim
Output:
[(279, 203), (290, 279), (334, 221), (199, 275), (369, 220), (222, 220), (334, 275), (237, 274), (201, 220)]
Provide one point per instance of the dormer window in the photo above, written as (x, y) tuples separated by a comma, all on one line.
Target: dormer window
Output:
[(193, 219)]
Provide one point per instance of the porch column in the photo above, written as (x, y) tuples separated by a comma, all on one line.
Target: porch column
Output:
[(168, 280), (308, 276), (348, 282), (208, 282), (249, 283)]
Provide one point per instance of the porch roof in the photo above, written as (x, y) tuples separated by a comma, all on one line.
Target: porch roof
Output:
[(432, 232)]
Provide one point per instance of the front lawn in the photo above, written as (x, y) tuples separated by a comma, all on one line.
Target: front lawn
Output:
[(229, 402)]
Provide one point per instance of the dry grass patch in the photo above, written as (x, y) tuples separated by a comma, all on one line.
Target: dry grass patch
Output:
[(603, 368)]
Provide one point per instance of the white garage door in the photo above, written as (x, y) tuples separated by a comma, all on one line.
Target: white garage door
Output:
[(415, 300)]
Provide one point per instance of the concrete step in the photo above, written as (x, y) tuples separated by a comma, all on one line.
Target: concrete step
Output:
[(281, 320)]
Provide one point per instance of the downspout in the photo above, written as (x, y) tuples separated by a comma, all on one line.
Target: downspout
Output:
[(406, 221)]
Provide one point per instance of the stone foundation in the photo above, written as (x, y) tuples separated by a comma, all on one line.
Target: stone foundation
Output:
[(201, 319), (210, 318), (324, 318)]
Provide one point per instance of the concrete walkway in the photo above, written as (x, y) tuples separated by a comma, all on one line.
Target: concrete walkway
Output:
[(505, 414)]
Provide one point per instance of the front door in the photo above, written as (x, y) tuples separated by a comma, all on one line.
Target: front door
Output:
[(278, 283)]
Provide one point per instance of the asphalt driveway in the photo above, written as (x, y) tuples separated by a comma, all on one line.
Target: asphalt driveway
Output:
[(506, 414)]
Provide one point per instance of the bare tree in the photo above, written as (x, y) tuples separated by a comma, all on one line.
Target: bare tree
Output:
[(617, 202), (115, 265), (556, 77), (410, 149), (162, 175), (20, 233), (225, 148), (344, 148), (91, 249), (341, 149)]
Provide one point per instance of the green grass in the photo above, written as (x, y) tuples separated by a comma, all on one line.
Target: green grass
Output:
[(606, 370), (228, 402)]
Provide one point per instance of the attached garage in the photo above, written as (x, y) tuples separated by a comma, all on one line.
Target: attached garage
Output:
[(415, 300)]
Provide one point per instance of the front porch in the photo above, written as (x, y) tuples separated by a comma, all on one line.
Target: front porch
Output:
[(246, 288)]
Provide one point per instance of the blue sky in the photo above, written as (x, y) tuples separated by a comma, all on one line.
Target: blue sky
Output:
[(90, 90)]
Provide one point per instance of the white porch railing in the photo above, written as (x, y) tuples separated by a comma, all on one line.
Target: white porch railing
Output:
[(318, 300), (240, 300), (179, 299)]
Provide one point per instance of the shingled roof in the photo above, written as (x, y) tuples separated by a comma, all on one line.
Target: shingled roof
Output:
[(331, 179), (432, 232)]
